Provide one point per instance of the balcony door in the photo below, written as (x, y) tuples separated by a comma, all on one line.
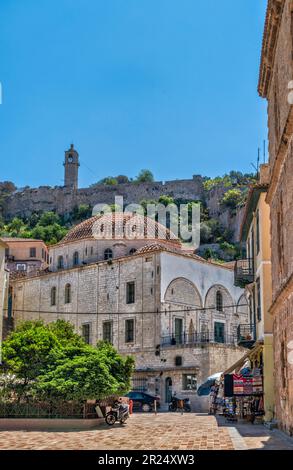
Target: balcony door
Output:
[(219, 332), (179, 330)]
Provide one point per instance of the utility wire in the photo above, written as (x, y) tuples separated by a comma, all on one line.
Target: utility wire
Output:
[(198, 309)]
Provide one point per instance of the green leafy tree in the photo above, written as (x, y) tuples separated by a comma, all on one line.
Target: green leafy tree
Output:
[(122, 179), (27, 352), (51, 362), (15, 227), (166, 200), (228, 248), (48, 219), (145, 176), (232, 198), (82, 212), (205, 233), (33, 220), (108, 181), (50, 234), (83, 377), (208, 253)]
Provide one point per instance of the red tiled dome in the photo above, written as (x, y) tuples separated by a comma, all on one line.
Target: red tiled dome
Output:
[(121, 225)]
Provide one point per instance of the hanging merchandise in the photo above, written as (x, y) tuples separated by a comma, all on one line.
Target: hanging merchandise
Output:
[(242, 385), (228, 385), (257, 384)]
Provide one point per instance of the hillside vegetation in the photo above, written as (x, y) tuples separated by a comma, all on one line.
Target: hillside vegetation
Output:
[(51, 227)]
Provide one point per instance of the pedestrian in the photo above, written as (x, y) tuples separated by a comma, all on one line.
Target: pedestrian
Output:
[(130, 406)]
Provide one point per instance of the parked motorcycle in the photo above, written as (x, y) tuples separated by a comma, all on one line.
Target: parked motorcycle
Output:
[(118, 412), (176, 404)]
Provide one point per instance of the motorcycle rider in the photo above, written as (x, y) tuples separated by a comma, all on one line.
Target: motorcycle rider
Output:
[(122, 407)]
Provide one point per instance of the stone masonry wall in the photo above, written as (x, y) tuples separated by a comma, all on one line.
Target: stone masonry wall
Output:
[(98, 294), (283, 369), (280, 197), (278, 106), (62, 200)]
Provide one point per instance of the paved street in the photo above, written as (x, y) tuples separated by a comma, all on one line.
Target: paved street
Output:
[(147, 431)]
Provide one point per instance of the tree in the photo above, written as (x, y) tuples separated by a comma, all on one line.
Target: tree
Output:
[(145, 176), (82, 212), (122, 179), (83, 377), (205, 233), (232, 198), (49, 218), (50, 234), (166, 200), (51, 362), (33, 220), (209, 253), (15, 227), (108, 181), (28, 352), (7, 187)]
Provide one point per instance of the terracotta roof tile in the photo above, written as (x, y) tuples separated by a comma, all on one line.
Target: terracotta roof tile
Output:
[(120, 226)]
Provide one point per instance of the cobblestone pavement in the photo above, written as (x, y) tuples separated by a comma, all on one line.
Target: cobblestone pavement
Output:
[(148, 431)]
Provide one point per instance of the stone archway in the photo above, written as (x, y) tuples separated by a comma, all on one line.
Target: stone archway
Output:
[(182, 291)]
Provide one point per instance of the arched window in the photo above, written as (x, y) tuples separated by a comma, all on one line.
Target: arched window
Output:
[(53, 296), (132, 251), (219, 301), (75, 258), (67, 294), (60, 262), (108, 254)]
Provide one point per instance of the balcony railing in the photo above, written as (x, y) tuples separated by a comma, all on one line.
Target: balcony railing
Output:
[(243, 272), (246, 335), (186, 339)]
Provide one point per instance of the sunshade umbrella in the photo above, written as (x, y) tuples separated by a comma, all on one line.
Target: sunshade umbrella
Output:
[(205, 388)]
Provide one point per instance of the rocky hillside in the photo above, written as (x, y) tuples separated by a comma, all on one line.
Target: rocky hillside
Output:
[(48, 213)]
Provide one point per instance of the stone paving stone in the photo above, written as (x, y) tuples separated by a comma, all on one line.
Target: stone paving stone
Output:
[(149, 432)]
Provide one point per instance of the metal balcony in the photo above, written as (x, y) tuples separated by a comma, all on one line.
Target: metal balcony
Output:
[(246, 335), (187, 339), (243, 272)]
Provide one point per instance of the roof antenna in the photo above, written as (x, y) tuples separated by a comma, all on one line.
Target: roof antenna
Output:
[(257, 165), (264, 151)]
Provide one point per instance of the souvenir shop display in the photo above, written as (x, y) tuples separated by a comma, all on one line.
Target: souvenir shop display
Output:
[(239, 395)]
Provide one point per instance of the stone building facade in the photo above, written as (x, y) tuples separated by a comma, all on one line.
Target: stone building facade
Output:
[(174, 312), (275, 84), (255, 273)]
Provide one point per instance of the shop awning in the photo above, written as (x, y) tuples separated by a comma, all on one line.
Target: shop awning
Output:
[(241, 361)]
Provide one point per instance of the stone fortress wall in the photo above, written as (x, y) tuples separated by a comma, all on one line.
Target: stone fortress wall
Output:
[(63, 200)]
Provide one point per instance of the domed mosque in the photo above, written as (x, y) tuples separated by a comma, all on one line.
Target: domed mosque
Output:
[(111, 236), (126, 279)]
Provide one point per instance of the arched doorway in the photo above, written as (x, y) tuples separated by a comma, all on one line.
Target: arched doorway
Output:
[(168, 389)]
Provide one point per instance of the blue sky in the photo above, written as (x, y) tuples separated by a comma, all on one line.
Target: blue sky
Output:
[(169, 85)]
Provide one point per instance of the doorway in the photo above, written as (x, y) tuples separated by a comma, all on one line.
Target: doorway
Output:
[(178, 330), (168, 390), (219, 332)]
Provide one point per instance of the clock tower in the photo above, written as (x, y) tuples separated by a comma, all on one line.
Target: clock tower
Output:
[(71, 165)]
